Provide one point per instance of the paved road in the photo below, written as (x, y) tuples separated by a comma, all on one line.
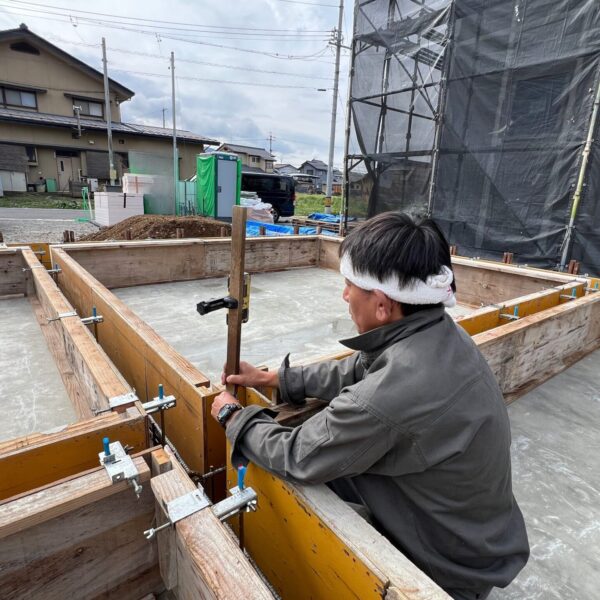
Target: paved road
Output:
[(44, 214)]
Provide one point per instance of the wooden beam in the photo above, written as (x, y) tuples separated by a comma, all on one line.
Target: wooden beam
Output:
[(208, 562), (144, 359), (13, 280), (123, 264), (74, 347), (41, 506), (36, 460), (81, 539), (236, 291)]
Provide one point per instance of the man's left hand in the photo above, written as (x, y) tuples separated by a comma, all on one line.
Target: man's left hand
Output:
[(220, 401)]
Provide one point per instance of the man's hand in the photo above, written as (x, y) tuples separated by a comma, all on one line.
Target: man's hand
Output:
[(220, 401), (250, 376)]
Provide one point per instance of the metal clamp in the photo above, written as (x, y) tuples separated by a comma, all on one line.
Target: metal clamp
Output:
[(61, 316), (193, 502), (119, 465), (123, 399), (55, 271), (92, 319), (24, 269), (159, 403)]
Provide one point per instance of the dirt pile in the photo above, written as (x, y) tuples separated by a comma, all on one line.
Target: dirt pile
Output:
[(160, 227)]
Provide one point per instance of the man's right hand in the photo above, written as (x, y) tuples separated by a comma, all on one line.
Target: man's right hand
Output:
[(250, 376)]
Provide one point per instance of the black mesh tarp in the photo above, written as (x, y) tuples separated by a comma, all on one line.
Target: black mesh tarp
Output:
[(498, 164)]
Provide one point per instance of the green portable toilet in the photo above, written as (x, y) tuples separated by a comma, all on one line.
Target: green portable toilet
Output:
[(218, 184)]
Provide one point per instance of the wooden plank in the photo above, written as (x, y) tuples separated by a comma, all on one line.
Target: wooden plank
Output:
[(40, 249), (481, 283), (209, 562), (95, 550), (161, 462), (41, 506), (120, 264), (524, 353), (88, 374), (36, 460), (145, 360), (13, 280), (329, 253), (236, 291)]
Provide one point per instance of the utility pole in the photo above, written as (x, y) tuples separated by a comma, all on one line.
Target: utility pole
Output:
[(270, 142), (336, 80), (163, 112), (111, 164), (175, 162)]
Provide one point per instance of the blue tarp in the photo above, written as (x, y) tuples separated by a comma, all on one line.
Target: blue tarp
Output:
[(327, 218), (252, 229)]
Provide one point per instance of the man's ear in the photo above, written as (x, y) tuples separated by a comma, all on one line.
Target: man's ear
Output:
[(384, 307)]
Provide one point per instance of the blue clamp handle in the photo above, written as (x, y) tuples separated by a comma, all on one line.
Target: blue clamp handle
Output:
[(241, 477), (161, 391), (106, 444)]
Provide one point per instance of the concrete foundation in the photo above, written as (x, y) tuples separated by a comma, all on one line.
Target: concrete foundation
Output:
[(300, 311), (556, 479), (32, 395)]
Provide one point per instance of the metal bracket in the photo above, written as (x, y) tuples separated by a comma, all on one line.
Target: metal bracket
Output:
[(157, 404), (24, 269), (55, 271), (195, 501), (120, 466), (117, 401), (92, 319), (239, 500), (62, 316)]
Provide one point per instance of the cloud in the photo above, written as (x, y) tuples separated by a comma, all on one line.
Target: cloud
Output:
[(251, 98)]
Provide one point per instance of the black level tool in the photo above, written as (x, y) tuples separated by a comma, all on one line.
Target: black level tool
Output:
[(208, 306)]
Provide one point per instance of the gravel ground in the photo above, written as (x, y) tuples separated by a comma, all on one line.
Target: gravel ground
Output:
[(41, 225)]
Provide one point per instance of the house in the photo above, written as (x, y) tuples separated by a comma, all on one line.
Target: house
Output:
[(315, 167), (53, 123), (253, 159), (285, 169)]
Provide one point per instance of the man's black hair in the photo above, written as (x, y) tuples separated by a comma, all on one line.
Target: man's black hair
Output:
[(392, 244)]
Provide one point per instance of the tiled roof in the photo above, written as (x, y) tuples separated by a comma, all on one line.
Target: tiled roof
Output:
[(48, 120)]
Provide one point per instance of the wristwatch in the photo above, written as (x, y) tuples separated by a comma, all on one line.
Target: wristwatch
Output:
[(225, 413)]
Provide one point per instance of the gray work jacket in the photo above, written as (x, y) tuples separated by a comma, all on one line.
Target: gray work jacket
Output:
[(417, 420)]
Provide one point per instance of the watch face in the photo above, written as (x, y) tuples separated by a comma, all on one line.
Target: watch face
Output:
[(223, 412)]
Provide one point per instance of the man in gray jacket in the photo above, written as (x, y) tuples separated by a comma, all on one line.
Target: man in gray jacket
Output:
[(415, 430)]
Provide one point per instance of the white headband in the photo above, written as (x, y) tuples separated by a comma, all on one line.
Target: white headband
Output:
[(435, 290)]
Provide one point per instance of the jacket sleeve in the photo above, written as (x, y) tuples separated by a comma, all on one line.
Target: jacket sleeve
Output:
[(343, 440), (324, 380)]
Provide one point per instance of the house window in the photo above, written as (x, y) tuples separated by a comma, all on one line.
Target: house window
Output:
[(310, 172), (254, 159), (12, 97), (89, 108), (32, 158)]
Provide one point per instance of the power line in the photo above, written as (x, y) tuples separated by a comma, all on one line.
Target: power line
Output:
[(164, 24), (276, 55), (191, 61), (206, 80), (309, 3)]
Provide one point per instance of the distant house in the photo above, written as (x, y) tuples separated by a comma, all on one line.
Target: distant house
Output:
[(315, 167), (253, 159), (53, 125), (285, 169)]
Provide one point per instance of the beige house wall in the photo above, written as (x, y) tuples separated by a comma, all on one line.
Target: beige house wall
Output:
[(56, 76), (48, 139)]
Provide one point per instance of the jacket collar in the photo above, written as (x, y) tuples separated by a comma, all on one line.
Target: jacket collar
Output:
[(373, 342)]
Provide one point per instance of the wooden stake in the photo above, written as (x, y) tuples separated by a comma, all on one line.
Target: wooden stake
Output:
[(296, 229), (128, 234), (65, 236), (71, 236), (319, 229), (452, 250), (1, 238), (223, 232), (236, 290), (179, 232), (262, 230)]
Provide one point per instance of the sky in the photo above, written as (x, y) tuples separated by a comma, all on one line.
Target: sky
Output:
[(244, 69)]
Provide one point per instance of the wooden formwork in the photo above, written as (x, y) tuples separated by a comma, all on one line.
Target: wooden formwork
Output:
[(306, 541), (89, 378)]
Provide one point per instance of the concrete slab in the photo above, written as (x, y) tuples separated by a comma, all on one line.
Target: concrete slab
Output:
[(32, 395), (300, 311), (556, 477)]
